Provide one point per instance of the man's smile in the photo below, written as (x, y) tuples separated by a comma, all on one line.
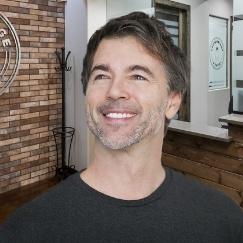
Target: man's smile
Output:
[(120, 115)]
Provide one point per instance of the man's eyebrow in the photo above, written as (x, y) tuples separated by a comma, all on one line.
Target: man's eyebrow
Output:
[(141, 68), (102, 67)]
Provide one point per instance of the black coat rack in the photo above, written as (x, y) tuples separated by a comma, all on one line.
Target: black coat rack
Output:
[(63, 132)]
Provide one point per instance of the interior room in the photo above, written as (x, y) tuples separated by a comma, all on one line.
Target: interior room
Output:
[(43, 133)]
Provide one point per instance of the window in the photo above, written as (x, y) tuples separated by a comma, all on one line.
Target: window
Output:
[(176, 17)]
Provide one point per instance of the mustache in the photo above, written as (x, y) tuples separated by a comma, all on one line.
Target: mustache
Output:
[(119, 105)]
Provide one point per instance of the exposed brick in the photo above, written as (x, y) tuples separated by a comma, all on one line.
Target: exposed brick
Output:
[(39, 2), (38, 12), (9, 130), (30, 137), (50, 174), (14, 106), (30, 148), (39, 87), (49, 8), (11, 3), (9, 152), (3, 149), (38, 44), (39, 172), (19, 100), (19, 111), (20, 178), (30, 159), (28, 71), (20, 167), (4, 136), (31, 107), (3, 8), (4, 113), (19, 134), (19, 156), (18, 10), (4, 102), (19, 21), (29, 104), (18, 89), (29, 126), (23, 34), (29, 181), (28, 5), (38, 98), (4, 125), (28, 27), (10, 95), (9, 118), (29, 83), (4, 171), (9, 176), (4, 160), (40, 140), (11, 164), (12, 16)]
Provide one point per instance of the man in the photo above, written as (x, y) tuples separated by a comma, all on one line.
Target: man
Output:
[(133, 78)]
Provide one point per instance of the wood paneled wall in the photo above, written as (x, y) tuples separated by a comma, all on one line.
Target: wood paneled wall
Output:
[(216, 163)]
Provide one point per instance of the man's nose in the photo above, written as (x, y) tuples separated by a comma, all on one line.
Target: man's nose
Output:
[(118, 89)]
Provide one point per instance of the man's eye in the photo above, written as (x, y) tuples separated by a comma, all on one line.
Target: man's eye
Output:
[(101, 76), (138, 77)]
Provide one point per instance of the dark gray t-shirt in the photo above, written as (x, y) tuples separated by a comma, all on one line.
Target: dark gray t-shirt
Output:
[(180, 210)]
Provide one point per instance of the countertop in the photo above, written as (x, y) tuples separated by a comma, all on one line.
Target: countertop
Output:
[(235, 119), (215, 133)]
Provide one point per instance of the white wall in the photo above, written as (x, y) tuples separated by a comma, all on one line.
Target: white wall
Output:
[(238, 7), (116, 8), (76, 42)]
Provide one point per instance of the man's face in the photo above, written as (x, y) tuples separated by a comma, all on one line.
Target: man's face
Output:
[(126, 95)]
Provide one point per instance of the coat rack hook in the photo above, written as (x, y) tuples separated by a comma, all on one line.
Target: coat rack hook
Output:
[(62, 61), (67, 68)]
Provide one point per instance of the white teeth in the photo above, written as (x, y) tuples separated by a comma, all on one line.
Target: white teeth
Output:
[(119, 115)]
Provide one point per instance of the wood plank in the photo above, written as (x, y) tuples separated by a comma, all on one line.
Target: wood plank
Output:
[(191, 167), (205, 157), (203, 171), (232, 180), (232, 149), (236, 133)]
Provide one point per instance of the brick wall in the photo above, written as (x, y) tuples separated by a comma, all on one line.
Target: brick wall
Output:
[(31, 107)]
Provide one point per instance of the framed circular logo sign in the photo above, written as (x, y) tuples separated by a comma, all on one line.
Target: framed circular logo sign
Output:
[(9, 53), (217, 53)]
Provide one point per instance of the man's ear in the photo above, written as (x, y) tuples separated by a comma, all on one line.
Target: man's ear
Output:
[(173, 105)]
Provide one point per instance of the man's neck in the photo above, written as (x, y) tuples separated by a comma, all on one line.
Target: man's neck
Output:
[(128, 174)]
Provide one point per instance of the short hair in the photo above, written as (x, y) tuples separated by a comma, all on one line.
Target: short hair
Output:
[(152, 34)]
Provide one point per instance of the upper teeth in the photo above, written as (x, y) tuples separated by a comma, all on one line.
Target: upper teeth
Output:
[(119, 115)]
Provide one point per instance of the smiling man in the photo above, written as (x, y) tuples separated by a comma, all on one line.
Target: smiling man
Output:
[(127, 100), (134, 79)]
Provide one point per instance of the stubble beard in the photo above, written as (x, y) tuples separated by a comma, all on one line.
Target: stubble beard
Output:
[(145, 129)]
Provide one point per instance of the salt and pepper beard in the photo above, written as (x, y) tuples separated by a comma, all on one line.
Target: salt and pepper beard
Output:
[(154, 121)]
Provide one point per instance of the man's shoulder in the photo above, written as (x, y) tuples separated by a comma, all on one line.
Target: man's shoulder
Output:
[(199, 193), (50, 201)]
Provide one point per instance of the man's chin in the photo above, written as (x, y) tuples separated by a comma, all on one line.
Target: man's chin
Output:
[(117, 144)]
